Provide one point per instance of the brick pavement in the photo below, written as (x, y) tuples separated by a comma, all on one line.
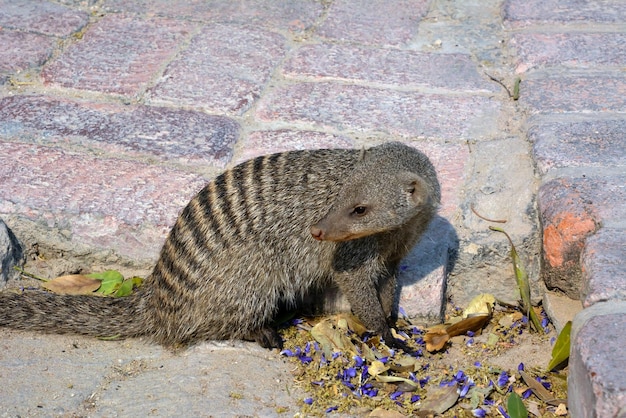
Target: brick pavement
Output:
[(113, 113)]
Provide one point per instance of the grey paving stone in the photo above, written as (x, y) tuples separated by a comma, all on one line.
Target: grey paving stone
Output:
[(86, 202), (406, 69), (118, 54), (374, 22), (563, 93), (361, 109), (571, 50), (296, 17), (40, 16), (169, 135), (596, 382), (525, 12), (560, 309), (222, 71), (21, 51), (604, 271), (594, 143)]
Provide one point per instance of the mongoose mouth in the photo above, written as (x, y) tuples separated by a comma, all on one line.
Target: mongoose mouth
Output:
[(335, 236)]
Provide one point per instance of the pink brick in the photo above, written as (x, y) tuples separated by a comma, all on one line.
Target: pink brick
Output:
[(525, 12), (373, 22), (562, 94), (268, 142), (576, 50), (104, 203), (596, 143), (408, 69), (118, 55), (596, 382), (297, 16), (21, 50), (41, 16), (189, 138), (223, 70), (362, 109), (604, 271)]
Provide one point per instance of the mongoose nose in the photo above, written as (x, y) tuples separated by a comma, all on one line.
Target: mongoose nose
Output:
[(317, 233)]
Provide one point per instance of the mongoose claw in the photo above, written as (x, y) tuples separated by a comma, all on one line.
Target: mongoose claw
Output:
[(268, 338)]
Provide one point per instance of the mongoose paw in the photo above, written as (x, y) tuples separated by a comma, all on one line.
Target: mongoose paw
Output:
[(268, 338), (390, 341)]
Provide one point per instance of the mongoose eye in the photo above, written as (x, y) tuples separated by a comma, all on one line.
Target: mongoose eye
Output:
[(359, 210)]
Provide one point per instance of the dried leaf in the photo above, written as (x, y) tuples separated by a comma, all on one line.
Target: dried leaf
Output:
[(440, 398), (515, 407), (395, 379), (541, 392), (331, 338), (377, 367), (560, 351), (73, 284), (481, 304), (385, 413), (436, 338)]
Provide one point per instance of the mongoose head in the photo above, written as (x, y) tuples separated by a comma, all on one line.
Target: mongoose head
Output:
[(371, 206)]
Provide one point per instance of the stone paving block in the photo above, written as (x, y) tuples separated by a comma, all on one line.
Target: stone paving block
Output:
[(296, 17), (177, 136), (267, 142), (223, 70), (373, 22), (597, 382), (21, 51), (593, 143), (572, 209), (571, 93), (406, 69), (604, 271), (526, 12), (43, 17), (118, 205), (560, 309), (573, 50), (118, 54), (361, 109)]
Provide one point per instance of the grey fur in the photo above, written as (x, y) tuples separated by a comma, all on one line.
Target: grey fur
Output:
[(260, 238)]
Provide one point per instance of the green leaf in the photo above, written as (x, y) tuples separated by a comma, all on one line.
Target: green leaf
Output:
[(560, 351), (522, 283), (127, 286), (515, 407), (111, 281)]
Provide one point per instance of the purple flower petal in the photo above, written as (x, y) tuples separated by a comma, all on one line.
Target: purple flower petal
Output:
[(479, 412), (527, 393), (331, 409), (395, 395), (520, 367), (308, 401), (503, 379), (415, 398), (358, 361), (477, 364), (503, 412)]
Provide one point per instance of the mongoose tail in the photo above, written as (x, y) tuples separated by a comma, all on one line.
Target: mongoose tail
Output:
[(61, 314)]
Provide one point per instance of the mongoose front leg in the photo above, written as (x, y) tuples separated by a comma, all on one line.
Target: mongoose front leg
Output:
[(362, 294)]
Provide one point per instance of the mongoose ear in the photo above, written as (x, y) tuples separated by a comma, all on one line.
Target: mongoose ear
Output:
[(414, 188)]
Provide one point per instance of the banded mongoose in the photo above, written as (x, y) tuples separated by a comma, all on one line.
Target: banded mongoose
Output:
[(259, 237)]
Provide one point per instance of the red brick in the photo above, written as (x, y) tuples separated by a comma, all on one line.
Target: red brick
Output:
[(408, 69), (571, 209), (118, 55), (297, 16), (604, 271), (595, 143), (569, 93), (373, 22), (362, 109), (193, 139), (21, 50), (223, 70), (525, 12), (104, 203), (575, 50), (41, 16)]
